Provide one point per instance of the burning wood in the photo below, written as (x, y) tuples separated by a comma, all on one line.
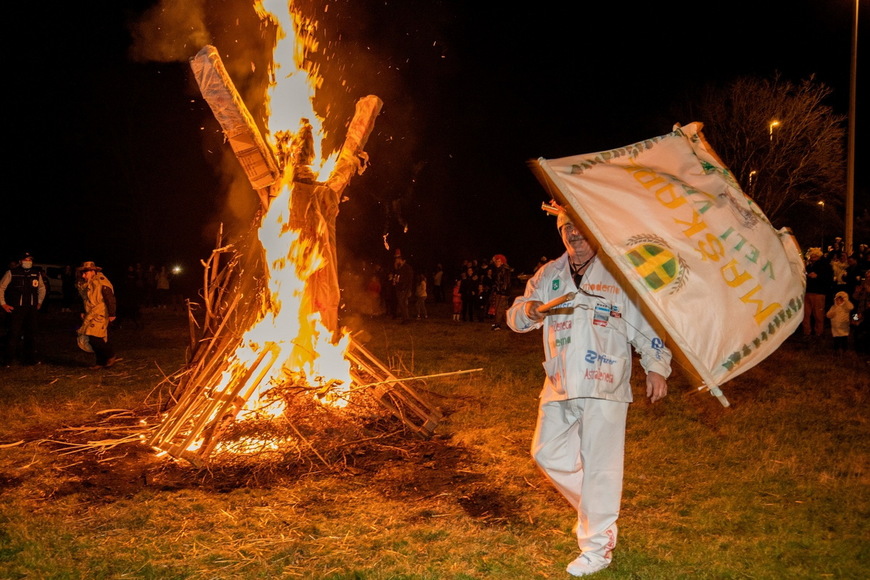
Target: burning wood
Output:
[(257, 336), (202, 411)]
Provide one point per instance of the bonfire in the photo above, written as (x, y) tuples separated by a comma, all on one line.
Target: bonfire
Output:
[(266, 341)]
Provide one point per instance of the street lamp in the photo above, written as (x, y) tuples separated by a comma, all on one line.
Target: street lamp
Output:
[(772, 126), (821, 204), (752, 175)]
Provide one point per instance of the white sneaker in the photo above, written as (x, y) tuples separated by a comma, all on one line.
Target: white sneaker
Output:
[(586, 564)]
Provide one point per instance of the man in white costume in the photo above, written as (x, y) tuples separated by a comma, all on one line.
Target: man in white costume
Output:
[(580, 435)]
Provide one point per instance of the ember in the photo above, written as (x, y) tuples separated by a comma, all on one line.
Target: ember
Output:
[(271, 302)]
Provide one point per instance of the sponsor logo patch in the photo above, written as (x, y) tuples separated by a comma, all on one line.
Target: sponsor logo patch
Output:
[(601, 315)]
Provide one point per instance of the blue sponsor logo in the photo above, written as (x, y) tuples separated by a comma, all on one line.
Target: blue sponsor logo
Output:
[(593, 357), (657, 346)]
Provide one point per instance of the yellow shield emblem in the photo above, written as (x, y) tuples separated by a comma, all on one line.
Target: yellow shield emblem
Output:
[(656, 265)]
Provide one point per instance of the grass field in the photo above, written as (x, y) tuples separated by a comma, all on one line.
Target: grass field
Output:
[(775, 486)]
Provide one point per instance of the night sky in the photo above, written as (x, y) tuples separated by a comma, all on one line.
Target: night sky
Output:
[(116, 157)]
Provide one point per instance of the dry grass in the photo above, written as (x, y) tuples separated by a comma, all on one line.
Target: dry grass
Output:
[(773, 487)]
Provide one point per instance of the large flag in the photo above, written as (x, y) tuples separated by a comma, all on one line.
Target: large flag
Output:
[(726, 286)]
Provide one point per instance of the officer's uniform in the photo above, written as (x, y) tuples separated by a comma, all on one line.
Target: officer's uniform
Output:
[(23, 290)]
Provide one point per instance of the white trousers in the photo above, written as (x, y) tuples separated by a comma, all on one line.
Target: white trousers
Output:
[(579, 444)]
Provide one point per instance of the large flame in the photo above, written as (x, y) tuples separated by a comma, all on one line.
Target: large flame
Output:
[(288, 340)]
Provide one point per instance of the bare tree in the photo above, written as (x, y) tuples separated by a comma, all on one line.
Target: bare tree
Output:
[(782, 143)]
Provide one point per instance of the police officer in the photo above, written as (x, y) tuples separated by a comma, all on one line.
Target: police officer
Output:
[(22, 290)]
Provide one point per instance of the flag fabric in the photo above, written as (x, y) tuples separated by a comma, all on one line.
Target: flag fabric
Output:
[(726, 286)]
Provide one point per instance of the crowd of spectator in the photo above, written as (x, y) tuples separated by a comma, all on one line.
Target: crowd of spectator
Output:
[(837, 297), (469, 292), (473, 290)]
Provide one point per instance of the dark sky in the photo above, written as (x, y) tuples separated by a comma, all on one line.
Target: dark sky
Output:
[(117, 158)]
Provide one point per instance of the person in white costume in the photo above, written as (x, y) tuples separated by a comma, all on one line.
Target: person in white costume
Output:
[(580, 434)]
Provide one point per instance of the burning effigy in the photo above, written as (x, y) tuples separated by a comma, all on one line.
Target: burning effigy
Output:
[(267, 342)]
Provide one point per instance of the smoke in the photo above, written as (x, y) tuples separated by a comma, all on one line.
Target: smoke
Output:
[(171, 31), (354, 59)]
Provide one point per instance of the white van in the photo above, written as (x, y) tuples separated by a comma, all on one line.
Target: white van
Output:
[(54, 280)]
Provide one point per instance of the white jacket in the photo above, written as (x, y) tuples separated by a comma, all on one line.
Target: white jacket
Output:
[(587, 340)]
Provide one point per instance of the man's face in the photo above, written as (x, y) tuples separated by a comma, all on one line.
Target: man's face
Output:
[(27, 263), (579, 248)]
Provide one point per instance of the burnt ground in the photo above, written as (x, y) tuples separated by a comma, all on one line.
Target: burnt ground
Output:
[(401, 465)]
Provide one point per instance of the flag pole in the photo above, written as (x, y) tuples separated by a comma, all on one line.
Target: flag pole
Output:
[(850, 164)]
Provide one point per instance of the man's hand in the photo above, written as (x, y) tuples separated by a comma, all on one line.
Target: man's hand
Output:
[(7, 308), (532, 310), (656, 386)]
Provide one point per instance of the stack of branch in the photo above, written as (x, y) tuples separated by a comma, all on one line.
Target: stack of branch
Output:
[(232, 295), (198, 414), (397, 396)]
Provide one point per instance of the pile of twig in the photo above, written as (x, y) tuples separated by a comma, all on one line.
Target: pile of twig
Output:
[(233, 282), (233, 291), (112, 429), (233, 298)]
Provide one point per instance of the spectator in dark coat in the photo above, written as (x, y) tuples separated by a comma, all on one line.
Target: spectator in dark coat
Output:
[(403, 282), (820, 279)]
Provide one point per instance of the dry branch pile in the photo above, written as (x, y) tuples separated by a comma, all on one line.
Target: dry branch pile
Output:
[(201, 422)]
